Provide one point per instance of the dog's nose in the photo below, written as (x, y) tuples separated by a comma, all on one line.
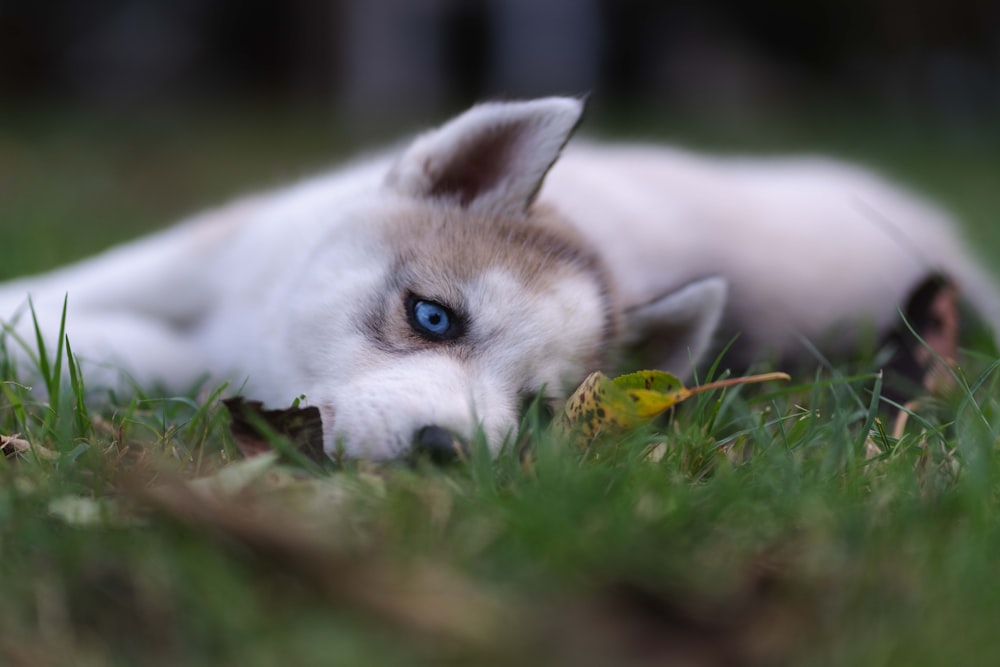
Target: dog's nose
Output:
[(439, 445)]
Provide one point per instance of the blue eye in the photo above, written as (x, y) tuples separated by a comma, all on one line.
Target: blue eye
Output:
[(432, 317), (432, 320)]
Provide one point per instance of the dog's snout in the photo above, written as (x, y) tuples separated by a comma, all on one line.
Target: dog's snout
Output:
[(439, 445)]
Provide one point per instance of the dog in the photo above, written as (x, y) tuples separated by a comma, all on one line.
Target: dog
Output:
[(419, 295)]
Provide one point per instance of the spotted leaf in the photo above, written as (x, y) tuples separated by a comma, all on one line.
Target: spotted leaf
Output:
[(602, 406)]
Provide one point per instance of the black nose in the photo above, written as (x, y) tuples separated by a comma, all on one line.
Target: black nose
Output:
[(439, 445)]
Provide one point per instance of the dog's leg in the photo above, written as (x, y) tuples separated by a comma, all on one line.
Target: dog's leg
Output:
[(132, 309), (114, 351), (165, 276), (119, 318)]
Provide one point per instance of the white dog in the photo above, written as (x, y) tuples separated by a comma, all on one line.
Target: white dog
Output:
[(418, 295)]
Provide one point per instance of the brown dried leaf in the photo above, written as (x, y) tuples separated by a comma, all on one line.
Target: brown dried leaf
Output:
[(762, 618), (424, 600), (254, 428), (12, 445)]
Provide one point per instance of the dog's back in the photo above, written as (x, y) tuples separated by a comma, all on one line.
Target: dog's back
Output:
[(807, 245)]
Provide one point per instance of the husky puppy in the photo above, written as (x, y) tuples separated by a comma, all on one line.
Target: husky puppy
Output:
[(424, 294)]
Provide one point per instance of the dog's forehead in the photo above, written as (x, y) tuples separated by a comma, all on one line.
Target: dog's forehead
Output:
[(444, 247)]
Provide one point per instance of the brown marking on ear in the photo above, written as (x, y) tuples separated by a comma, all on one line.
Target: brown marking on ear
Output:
[(479, 167)]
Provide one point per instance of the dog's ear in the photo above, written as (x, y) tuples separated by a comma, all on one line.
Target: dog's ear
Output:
[(672, 332), (492, 158)]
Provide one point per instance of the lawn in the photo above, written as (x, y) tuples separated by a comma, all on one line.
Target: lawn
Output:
[(782, 523)]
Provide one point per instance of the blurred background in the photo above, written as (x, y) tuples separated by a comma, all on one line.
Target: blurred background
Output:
[(119, 115), (388, 60)]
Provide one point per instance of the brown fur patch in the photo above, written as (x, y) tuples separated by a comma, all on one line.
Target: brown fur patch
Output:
[(443, 248), (479, 167)]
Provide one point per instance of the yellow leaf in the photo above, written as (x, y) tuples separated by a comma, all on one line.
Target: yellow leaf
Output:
[(596, 405), (660, 381), (601, 405)]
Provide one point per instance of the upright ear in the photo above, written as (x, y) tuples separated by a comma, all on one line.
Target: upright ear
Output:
[(672, 332), (492, 158)]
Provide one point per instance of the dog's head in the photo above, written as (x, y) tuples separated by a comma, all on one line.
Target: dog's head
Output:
[(452, 296)]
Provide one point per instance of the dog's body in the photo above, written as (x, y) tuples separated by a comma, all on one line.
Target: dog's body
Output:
[(440, 287)]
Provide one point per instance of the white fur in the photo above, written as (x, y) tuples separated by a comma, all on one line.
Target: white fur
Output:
[(806, 244), (303, 291)]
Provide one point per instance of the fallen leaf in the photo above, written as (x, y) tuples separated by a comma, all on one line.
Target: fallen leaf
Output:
[(83, 511), (12, 445), (77, 510), (601, 405), (233, 479), (425, 600), (265, 485), (254, 428)]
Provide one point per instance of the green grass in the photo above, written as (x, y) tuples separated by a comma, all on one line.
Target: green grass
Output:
[(776, 524)]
